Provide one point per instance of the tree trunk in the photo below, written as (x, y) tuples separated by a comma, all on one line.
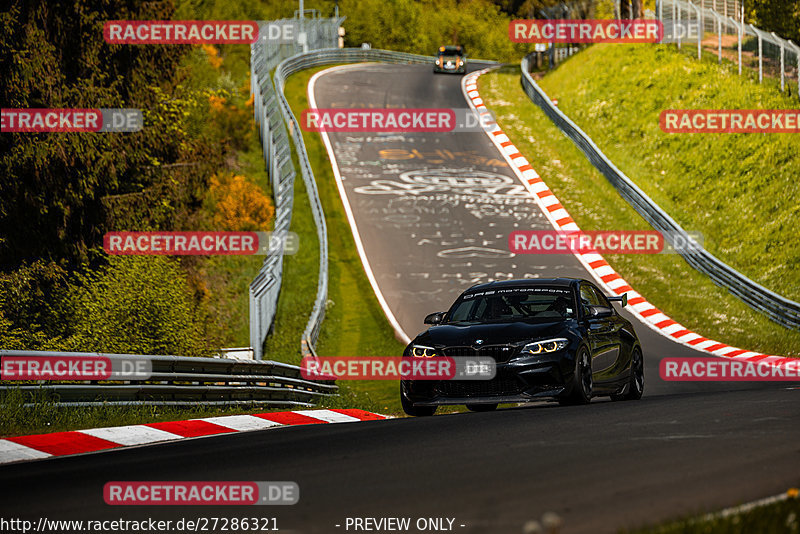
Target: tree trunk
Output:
[(630, 9)]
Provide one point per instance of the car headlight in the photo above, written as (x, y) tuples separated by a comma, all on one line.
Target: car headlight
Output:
[(421, 351), (438, 62), (545, 346)]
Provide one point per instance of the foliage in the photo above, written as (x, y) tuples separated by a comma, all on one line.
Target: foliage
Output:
[(777, 16), (53, 56), (139, 305), (422, 26), (239, 204), (33, 306)]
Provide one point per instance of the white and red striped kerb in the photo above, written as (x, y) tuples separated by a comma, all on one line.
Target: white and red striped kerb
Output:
[(23, 448)]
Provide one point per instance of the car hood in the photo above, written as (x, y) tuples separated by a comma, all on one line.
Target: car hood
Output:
[(492, 333)]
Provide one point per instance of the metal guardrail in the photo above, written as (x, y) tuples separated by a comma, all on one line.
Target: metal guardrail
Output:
[(183, 381), (269, 100), (780, 309), (265, 56)]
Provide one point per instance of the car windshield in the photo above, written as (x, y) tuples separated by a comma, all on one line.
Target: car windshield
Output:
[(450, 51), (513, 304)]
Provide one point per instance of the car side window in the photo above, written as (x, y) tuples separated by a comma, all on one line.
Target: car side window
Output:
[(588, 298), (602, 299)]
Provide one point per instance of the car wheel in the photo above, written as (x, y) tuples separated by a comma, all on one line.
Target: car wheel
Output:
[(581, 387), (636, 384), (415, 411), (481, 407)]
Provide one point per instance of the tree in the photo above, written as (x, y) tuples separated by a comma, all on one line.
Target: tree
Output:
[(54, 187)]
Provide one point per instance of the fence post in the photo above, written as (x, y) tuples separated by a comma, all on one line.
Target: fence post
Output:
[(700, 30), (783, 68), (719, 31), (760, 54), (741, 36), (797, 55), (701, 20), (661, 15)]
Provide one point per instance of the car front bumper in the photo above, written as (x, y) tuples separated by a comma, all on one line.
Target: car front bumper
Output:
[(520, 380)]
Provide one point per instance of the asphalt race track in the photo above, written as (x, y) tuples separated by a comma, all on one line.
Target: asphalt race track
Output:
[(434, 212)]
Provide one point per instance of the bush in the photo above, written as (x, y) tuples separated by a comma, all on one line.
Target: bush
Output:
[(240, 205), (32, 306), (141, 305)]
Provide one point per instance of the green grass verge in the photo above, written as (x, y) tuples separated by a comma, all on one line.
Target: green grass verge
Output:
[(777, 518), (742, 191), (667, 281), (354, 322), (45, 417), (228, 277)]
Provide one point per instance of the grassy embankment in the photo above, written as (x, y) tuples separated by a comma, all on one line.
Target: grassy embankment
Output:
[(782, 516), (742, 191)]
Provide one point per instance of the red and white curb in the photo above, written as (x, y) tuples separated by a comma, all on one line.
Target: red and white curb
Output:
[(36, 447), (594, 263)]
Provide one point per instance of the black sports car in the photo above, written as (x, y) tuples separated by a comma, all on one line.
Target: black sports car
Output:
[(450, 59), (559, 338)]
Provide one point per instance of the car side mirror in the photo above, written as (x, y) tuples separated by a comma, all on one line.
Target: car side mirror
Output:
[(623, 300), (598, 312), (434, 318)]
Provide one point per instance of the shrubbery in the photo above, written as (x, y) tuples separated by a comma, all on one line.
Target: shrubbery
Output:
[(239, 205), (134, 304)]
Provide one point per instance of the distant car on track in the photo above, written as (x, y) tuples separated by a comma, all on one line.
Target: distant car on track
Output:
[(554, 338), (450, 59)]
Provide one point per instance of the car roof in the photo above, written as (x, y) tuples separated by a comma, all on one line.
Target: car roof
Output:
[(526, 282), (450, 49)]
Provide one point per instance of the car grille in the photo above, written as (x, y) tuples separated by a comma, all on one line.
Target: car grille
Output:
[(500, 353), (505, 383)]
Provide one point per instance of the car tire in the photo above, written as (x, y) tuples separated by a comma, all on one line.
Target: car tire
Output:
[(636, 383), (580, 390), (415, 411), (481, 407)]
